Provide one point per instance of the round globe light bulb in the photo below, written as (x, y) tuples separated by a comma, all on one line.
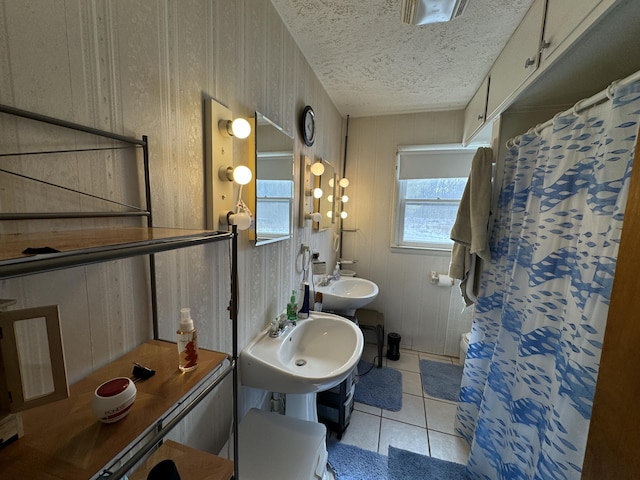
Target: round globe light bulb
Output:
[(343, 215), (330, 214), (242, 175), (344, 182), (330, 198), (331, 182), (240, 128), (345, 199), (317, 193), (317, 168)]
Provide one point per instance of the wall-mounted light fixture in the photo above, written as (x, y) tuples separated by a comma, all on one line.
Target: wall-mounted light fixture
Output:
[(341, 198), (239, 128), (317, 168), (219, 135), (307, 194)]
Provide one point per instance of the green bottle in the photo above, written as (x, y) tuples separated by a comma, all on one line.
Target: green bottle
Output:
[(292, 308)]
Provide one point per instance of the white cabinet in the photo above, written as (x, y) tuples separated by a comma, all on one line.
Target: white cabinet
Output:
[(518, 60), (475, 114), (564, 19)]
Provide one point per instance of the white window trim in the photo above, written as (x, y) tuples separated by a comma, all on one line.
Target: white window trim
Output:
[(398, 205)]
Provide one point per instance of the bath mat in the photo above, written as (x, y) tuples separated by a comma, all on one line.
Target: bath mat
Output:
[(441, 380), (380, 387), (405, 465), (353, 463)]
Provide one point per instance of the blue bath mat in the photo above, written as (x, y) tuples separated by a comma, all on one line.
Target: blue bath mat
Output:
[(353, 463), (380, 387), (405, 465), (441, 380)]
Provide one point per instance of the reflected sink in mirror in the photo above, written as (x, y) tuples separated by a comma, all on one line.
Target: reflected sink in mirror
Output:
[(347, 294), (315, 355)]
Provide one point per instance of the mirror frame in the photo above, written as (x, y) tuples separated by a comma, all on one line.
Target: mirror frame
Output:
[(251, 188)]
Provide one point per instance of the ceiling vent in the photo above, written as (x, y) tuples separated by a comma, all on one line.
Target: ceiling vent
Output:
[(421, 12)]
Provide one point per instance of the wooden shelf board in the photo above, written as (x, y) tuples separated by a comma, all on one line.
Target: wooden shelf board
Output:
[(64, 439), (81, 247), (190, 463)]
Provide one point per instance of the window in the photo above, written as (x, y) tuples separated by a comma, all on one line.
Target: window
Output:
[(273, 205), (430, 183)]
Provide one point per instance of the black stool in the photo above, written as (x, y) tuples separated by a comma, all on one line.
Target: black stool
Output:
[(372, 320)]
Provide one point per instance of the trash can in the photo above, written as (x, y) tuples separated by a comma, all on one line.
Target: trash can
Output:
[(393, 346)]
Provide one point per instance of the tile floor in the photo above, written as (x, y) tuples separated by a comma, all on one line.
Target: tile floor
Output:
[(424, 425)]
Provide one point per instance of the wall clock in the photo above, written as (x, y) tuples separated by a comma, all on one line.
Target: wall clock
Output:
[(308, 126)]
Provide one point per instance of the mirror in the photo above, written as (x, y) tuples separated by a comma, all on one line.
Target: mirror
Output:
[(325, 204), (32, 357), (272, 190)]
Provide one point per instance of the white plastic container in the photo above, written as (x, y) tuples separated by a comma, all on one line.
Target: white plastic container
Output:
[(274, 446), (113, 399)]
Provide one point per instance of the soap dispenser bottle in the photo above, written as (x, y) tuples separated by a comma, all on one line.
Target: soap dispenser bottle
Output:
[(292, 308), (187, 342), (304, 310)]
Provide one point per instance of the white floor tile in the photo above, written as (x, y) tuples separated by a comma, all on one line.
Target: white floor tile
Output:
[(412, 411), (363, 407), (448, 447), (435, 358), (441, 416), (375, 429), (407, 361), (402, 435), (363, 431), (411, 383)]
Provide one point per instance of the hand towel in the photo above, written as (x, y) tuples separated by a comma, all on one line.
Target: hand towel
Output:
[(470, 231)]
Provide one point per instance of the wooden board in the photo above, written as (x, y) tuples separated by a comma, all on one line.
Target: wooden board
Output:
[(64, 439), (12, 245), (613, 442), (190, 463)]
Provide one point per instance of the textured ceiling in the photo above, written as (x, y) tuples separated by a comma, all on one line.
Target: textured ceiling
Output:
[(371, 63)]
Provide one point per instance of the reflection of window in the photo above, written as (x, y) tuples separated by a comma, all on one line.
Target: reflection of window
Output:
[(273, 198), (429, 186)]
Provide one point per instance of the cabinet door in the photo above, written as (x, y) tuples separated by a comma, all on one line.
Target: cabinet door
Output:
[(562, 18), (518, 60), (476, 112)]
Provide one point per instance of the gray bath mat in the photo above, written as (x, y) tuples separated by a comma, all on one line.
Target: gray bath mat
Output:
[(405, 465), (441, 380), (381, 387), (353, 463)]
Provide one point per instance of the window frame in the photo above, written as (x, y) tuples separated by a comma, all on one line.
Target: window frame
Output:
[(432, 152)]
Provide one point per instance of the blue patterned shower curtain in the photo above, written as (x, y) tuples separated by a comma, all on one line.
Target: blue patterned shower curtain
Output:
[(532, 363)]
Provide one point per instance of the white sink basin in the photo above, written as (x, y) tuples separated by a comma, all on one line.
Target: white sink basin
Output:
[(347, 294), (315, 355)]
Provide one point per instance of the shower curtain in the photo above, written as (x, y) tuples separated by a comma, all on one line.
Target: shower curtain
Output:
[(532, 363)]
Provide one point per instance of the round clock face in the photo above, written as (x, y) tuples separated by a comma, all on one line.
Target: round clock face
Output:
[(308, 126)]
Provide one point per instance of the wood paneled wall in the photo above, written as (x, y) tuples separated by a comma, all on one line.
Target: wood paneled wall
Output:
[(139, 67), (429, 318)]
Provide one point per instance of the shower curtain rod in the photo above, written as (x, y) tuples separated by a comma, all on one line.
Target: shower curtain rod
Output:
[(581, 105)]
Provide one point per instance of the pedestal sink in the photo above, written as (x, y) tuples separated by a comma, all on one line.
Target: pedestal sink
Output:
[(347, 294), (315, 355)]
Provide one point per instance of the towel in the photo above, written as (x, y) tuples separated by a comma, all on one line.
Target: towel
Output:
[(470, 232)]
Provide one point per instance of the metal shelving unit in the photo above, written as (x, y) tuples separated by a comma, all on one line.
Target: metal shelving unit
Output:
[(67, 249)]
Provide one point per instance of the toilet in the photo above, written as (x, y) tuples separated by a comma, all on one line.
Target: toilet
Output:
[(272, 445), (464, 346)]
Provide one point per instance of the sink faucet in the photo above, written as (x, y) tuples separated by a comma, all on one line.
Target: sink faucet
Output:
[(327, 279), (279, 325)]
